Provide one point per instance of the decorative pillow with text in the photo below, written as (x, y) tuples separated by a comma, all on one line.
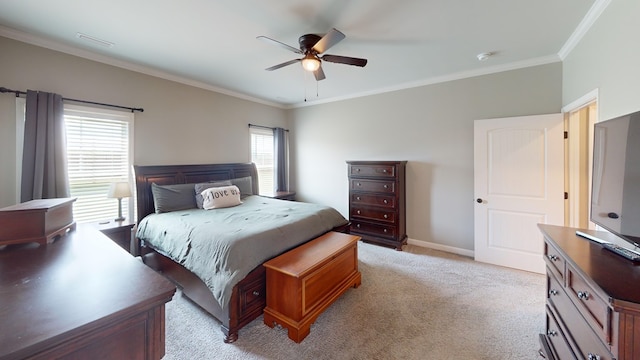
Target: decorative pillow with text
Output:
[(203, 186), (220, 197)]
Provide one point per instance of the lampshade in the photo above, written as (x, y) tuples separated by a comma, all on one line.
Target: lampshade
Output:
[(119, 190), (310, 62)]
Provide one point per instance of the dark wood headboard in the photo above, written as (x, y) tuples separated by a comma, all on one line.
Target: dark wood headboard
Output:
[(185, 174)]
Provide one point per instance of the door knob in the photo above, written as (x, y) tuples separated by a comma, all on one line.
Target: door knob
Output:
[(479, 201)]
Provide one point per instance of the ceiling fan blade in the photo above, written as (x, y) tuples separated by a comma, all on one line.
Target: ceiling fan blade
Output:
[(275, 67), (319, 74), (281, 44), (345, 60), (331, 38)]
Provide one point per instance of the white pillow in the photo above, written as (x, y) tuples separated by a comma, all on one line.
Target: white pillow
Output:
[(220, 197)]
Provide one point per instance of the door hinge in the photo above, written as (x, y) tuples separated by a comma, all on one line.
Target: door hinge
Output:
[(566, 134), (566, 195)]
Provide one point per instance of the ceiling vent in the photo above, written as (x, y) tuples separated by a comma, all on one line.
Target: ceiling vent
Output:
[(94, 40)]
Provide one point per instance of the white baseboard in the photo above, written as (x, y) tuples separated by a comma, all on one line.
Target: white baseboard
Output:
[(449, 249)]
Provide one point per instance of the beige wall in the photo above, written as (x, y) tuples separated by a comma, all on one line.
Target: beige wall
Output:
[(432, 128), (180, 124), (608, 59)]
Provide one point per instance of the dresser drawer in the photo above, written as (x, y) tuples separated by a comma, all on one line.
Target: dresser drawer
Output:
[(375, 200), (582, 334), (380, 186), (557, 339), (595, 309), (384, 215), (373, 170), (554, 260), (252, 296), (358, 227)]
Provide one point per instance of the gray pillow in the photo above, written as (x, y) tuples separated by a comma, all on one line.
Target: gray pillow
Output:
[(199, 188), (168, 198), (244, 184)]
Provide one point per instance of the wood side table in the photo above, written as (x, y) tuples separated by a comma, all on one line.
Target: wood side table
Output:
[(118, 231), (283, 195)]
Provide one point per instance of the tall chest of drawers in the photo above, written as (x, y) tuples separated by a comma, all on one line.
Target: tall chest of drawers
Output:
[(377, 201), (593, 299)]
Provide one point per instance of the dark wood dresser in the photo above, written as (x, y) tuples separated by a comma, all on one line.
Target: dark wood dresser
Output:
[(593, 299), (80, 297), (377, 201)]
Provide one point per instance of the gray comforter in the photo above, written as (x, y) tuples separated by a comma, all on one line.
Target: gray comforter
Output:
[(221, 246)]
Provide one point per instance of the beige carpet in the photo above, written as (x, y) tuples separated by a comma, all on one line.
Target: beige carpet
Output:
[(414, 304)]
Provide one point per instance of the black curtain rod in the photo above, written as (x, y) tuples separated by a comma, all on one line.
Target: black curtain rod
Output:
[(18, 93), (264, 127)]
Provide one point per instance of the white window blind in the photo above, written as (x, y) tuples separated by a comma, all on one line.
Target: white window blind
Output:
[(99, 152), (262, 154)]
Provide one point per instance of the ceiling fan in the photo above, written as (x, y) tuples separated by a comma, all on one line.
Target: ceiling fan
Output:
[(311, 46)]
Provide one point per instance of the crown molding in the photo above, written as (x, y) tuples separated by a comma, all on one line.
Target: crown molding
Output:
[(593, 14), (57, 46), (441, 79)]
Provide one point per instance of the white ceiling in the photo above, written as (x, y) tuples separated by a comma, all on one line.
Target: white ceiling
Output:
[(213, 45)]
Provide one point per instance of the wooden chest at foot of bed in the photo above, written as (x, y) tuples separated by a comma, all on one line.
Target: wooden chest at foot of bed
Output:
[(303, 282), (40, 221)]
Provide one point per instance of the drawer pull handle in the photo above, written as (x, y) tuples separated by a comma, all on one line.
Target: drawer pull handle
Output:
[(553, 292), (386, 216), (357, 169), (358, 184), (358, 212), (584, 295), (553, 257), (357, 197), (385, 230), (591, 356), (384, 171), (256, 293), (386, 186), (552, 332), (358, 226), (385, 201)]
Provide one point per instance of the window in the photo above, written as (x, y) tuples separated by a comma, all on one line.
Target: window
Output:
[(99, 152), (262, 155)]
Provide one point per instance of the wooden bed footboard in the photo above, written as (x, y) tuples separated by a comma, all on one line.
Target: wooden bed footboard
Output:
[(248, 297), (247, 302)]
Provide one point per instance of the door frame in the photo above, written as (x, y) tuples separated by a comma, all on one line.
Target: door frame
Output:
[(574, 205)]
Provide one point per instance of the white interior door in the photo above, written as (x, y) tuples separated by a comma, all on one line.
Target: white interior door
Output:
[(518, 183)]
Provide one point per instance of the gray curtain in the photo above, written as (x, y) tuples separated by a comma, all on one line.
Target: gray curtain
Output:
[(44, 160), (281, 163)]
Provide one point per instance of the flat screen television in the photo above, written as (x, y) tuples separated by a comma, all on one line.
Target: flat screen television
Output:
[(615, 188)]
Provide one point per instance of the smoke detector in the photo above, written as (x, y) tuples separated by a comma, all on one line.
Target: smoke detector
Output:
[(484, 56)]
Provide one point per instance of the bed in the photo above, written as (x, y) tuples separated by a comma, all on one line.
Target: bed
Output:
[(237, 296)]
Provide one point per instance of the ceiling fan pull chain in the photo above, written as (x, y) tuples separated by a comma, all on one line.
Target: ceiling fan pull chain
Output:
[(305, 86)]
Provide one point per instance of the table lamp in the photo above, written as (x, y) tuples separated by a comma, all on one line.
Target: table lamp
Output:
[(119, 190)]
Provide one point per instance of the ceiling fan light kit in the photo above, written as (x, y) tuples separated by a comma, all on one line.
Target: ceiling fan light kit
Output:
[(310, 63), (311, 46)]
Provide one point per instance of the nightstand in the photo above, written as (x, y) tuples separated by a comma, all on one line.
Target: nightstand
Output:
[(284, 195), (118, 231)]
